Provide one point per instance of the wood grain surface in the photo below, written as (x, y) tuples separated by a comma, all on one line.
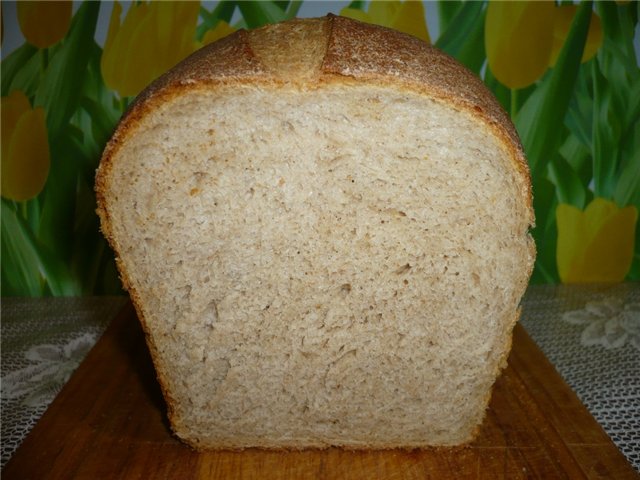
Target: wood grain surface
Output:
[(109, 422)]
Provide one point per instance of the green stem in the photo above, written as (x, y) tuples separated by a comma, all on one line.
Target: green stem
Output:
[(124, 104), (33, 214), (44, 59), (513, 107)]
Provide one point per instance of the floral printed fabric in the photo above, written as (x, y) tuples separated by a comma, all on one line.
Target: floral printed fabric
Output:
[(43, 341)]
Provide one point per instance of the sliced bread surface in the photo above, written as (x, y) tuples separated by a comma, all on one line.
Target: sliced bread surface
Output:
[(323, 226)]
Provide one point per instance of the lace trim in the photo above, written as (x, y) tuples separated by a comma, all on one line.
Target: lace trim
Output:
[(49, 369)]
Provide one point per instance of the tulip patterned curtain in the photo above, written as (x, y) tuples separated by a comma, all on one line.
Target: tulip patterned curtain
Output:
[(567, 73)]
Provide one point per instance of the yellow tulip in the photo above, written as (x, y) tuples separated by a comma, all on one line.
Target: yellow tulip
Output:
[(595, 245), (563, 17), (44, 23), (407, 17), (221, 30), (518, 39), (152, 38), (25, 148)]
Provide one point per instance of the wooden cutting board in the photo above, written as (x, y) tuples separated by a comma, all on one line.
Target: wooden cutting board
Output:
[(109, 422)]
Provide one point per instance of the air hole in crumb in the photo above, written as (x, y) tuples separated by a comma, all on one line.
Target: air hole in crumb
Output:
[(345, 287), (210, 314), (403, 269)]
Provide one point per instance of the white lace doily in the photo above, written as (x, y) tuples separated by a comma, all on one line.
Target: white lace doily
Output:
[(43, 342), (591, 334)]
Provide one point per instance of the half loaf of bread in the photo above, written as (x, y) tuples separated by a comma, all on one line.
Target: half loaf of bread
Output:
[(324, 228)]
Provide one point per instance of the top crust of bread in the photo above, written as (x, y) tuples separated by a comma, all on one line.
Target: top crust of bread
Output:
[(355, 51)]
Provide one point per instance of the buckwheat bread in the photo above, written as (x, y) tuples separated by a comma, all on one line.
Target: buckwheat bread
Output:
[(323, 226)]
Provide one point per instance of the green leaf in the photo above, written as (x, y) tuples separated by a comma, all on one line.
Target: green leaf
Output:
[(102, 111), (605, 136), (518, 97), (579, 118), (627, 190), (59, 199), (257, 14), (545, 233), (59, 91), (569, 186), (293, 9), (616, 104), (632, 110), (20, 262), (29, 77), (618, 25), (464, 36), (27, 266), (14, 64), (88, 242), (447, 10), (223, 11), (540, 120), (32, 215), (102, 124), (578, 157)]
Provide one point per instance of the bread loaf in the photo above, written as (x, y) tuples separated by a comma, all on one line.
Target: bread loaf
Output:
[(324, 228)]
